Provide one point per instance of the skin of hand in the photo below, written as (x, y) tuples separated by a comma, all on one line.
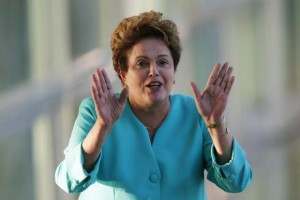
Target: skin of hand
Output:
[(211, 104), (108, 108)]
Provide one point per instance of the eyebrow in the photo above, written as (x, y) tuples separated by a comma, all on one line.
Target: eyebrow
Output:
[(163, 55), (159, 56)]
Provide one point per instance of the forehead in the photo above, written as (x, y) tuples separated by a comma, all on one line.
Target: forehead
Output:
[(149, 47)]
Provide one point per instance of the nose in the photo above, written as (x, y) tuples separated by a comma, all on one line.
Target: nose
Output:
[(153, 71)]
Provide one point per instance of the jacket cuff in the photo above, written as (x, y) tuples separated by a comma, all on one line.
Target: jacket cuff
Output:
[(234, 165), (75, 169)]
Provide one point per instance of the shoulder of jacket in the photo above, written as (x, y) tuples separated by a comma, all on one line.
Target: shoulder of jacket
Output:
[(88, 101), (183, 99)]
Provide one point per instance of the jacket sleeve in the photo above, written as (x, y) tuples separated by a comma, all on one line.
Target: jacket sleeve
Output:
[(234, 176), (70, 174)]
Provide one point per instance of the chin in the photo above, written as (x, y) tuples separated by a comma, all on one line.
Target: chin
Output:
[(158, 98)]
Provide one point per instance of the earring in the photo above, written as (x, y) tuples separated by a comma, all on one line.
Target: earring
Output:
[(173, 81)]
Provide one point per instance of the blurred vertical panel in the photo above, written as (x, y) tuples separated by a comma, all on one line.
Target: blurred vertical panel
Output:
[(293, 43), (297, 48), (292, 10), (43, 164), (15, 152), (14, 44), (84, 26), (50, 55), (16, 175)]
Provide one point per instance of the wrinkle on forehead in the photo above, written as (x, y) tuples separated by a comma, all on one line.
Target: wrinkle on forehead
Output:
[(150, 48)]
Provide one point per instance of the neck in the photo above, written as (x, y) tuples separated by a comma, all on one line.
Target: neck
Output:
[(152, 116)]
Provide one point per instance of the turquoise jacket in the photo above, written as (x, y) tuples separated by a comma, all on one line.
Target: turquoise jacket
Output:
[(131, 167)]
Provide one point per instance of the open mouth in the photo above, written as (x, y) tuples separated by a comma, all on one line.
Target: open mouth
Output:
[(154, 84)]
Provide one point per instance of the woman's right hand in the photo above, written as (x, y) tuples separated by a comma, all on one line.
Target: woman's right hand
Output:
[(108, 107)]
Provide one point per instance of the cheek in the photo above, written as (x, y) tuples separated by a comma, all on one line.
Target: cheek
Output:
[(170, 77), (135, 78)]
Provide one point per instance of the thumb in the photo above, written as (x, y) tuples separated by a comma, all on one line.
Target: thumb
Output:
[(123, 96), (196, 92)]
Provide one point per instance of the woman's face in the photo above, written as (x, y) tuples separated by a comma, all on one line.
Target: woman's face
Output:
[(150, 74)]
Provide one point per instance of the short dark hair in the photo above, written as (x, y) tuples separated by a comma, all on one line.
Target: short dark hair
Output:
[(145, 25)]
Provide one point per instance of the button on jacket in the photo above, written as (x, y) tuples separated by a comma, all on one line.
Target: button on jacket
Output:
[(131, 167)]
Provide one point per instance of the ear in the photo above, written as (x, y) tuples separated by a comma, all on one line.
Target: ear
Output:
[(122, 75)]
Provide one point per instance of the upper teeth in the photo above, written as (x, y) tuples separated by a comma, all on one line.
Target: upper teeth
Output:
[(154, 84)]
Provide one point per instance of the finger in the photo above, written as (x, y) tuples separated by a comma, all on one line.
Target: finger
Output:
[(101, 79), (226, 78), (107, 81), (96, 99), (196, 91), (221, 74), (97, 84), (214, 74), (95, 95), (229, 85)]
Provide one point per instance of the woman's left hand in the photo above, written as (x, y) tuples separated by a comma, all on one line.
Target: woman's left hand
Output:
[(212, 102)]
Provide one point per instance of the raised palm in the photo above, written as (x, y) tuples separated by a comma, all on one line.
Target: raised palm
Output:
[(212, 102), (107, 105)]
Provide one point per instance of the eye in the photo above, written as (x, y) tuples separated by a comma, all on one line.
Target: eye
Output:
[(142, 64), (163, 63)]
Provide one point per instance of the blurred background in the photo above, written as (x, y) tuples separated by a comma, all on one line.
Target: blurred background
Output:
[(48, 50)]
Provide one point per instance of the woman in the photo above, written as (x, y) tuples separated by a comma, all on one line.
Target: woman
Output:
[(145, 143)]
